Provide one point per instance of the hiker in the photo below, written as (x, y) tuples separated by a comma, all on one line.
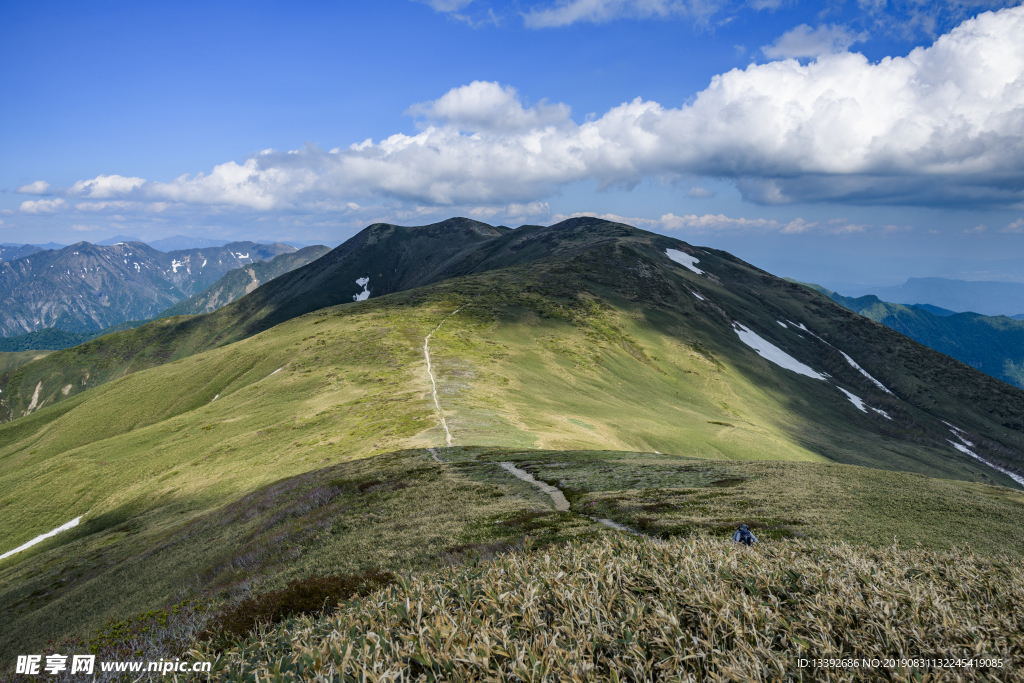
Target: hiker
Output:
[(745, 536)]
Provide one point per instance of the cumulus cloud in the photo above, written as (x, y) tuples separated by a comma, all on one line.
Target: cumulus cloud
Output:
[(491, 107), (567, 12), (38, 187), (43, 206), (1016, 226), (804, 41), (105, 186), (943, 125)]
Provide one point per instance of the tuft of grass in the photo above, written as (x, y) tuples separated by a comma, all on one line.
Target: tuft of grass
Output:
[(629, 609)]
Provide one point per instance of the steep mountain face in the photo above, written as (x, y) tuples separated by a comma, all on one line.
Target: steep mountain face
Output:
[(241, 281), (10, 252), (87, 288), (992, 344)]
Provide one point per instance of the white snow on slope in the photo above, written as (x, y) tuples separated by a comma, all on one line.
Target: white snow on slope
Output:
[(684, 259), (865, 373), (175, 264), (967, 451), (365, 294), (241, 255), (782, 323), (697, 295), (774, 354), (42, 537), (855, 400)]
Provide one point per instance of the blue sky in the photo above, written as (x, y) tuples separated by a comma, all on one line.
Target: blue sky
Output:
[(846, 142)]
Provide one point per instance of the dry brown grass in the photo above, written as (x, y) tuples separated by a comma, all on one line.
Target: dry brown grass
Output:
[(629, 609)]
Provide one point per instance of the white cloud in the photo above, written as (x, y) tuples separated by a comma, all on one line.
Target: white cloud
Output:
[(976, 230), (567, 12), (804, 41), (37, 187), (1016, 226), (486, 106), (943, 125), (41, 206), (700, 192), (105, 186)]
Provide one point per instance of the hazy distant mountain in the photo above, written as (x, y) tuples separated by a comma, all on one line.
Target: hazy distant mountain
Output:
[(934, 310), (9, 252), (986, 298), (179, 242), (241, 281), (88, 288)]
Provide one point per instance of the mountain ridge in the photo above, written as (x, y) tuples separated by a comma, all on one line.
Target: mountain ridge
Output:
[(87, 288)]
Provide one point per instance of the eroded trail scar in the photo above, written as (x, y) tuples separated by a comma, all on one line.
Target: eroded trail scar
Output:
[(557, 497), (433, 383)]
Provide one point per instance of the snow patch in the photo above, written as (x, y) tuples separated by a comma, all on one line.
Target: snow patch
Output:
[(865, 373), (175, 264), (855, 400), (774, 354), (214, 398), (204, 264), (365, 294), (782, 323), (240, 255), (42, 537), (684, 259), (276, 371), (967, 451), (697, 295)]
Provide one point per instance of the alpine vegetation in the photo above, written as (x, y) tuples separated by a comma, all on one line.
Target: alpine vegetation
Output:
[(627, 609)]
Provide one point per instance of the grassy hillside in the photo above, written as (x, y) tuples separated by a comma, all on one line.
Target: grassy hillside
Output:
[(249, 463), (14, 359), (407, 512)]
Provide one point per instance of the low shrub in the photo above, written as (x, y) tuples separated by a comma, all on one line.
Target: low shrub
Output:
[(303, 596)]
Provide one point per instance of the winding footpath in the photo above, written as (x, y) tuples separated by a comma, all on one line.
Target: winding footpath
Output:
[(437, 403), (561, 503)]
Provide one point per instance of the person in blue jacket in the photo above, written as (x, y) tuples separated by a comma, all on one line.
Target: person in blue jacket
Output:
[(745, 536)]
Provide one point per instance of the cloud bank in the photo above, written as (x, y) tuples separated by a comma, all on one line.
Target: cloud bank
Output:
[(941, 126)]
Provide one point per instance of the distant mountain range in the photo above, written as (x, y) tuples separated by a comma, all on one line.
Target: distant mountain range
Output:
[(956, 296), (991, 344), (87, 288)]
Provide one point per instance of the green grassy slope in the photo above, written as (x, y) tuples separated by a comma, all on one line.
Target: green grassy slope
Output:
[(394, 257), (605, 345), (14, 359)]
